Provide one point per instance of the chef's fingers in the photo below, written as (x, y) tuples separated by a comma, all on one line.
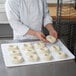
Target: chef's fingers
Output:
[(54, 33), (43, 37)]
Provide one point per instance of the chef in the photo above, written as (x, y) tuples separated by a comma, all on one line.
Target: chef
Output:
[(26, 18)]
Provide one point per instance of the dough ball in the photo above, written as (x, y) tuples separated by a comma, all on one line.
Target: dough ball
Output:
[(16, 59), (14, 52), (51, 39), (39, 44), (30, 51), (46, 56), (55, 48), (61, 55), (32, 57), (27, 46), (43, 50), (13, 47)]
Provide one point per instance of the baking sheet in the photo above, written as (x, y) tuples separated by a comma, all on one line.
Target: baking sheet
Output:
[(8, 62)]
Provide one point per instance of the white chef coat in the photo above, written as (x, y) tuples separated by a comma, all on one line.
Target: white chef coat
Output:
[(25, 14)]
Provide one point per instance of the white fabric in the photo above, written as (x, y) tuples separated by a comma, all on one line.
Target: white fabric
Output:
[(25, 14)]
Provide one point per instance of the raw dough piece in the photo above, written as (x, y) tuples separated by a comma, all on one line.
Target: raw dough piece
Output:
[(29, 51), (46, 56), (16, 59), (43, 50), (39, 44), (32, 57), (61, 55), (13, 47), (51, 39), (27, 46), (14, 52), (55, 48)]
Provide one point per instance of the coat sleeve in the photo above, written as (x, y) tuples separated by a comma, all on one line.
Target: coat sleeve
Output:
[(12, 12), (47, 17)]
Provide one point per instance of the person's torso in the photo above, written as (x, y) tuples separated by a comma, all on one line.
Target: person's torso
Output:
[(31, 13)]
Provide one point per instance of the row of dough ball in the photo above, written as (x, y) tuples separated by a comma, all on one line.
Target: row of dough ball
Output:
[(30, 52), (44, 53), (40, 48), (57, 50), (39, 45), (15, 54), (27, 47)]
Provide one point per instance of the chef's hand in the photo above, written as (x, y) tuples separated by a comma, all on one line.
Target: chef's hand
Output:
[(51, 30), (53, 33), (39, 35)]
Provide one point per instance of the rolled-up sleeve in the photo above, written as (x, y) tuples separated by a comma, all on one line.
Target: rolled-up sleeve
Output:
[(47, 17), (12, 12)]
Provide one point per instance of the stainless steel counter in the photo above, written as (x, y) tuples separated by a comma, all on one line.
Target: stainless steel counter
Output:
[(63, 68)]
